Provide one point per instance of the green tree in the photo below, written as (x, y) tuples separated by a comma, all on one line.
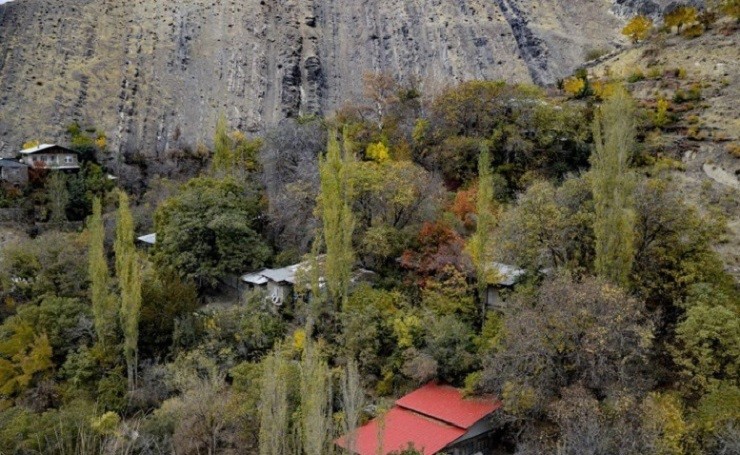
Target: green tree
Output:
[(128, 271), (316, 399), (335, 207), (352, 401), (223, 157), (104, 304), (24, 356), (612, 185), (274, 406), (708, 341), (208, 230), (480, 246), (58, 197), (234, 155)]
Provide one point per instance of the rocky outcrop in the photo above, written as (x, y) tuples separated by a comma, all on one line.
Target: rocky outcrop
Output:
[(154, 75)]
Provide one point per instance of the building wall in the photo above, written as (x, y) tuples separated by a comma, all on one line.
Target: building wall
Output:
[(52, 160), (279, 290), (485, 444)]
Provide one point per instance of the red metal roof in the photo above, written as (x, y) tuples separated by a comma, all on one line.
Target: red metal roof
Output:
[(446, 403), (401, 428), (430, 418)]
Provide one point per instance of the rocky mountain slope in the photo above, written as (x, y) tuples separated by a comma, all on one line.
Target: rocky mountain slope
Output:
[(705, 138), (155, 74)]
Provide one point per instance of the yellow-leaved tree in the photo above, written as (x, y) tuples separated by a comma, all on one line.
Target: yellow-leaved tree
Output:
[(638, 28), (681, 16), (30, 144)]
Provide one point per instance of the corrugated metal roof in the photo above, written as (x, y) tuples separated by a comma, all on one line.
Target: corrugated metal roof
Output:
[(288, 274), (399, 429), (151, 239), (509, 274), (446, 403), (431, 418), (285, 274), (4, 162), (254, 278)]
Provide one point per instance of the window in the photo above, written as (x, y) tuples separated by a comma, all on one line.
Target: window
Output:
[(68, 159)]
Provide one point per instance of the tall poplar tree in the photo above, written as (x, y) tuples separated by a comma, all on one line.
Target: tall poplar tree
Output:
[(274, 407), (128, 272), (612, 185), (223, 154), (315, 401), (103, 302), (336, 216), (480, 244), (352, 403), (58, 195)]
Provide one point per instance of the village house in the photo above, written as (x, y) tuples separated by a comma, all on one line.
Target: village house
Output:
[(50, 156), (434, 419), (506, 277), (280, 283), (13, 172)]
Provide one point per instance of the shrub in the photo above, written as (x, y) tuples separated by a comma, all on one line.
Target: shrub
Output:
[(734, 149), (661, 112), (655, 72), (693, 31), (594, 54), (636, 76), (574, 86)]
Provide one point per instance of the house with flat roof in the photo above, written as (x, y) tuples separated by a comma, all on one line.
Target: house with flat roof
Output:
[(13, 172), (434, 419), (50, 156)]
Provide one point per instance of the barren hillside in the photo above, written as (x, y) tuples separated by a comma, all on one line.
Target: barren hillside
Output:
[(154, 75), (706, 135)]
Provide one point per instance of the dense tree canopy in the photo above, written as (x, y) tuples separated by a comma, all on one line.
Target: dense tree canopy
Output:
[(620, 336), (208, 230)]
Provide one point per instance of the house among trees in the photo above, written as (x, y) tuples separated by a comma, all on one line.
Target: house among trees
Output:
[(434, 419), (51, 156), (506, 277), (280, 283), (13, 172)]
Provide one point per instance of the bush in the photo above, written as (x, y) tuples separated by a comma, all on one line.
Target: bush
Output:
[(693, 31), (594, 54), (636, 76), (574, 86)]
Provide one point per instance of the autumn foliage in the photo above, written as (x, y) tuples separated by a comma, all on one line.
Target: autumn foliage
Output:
[(638, 28)]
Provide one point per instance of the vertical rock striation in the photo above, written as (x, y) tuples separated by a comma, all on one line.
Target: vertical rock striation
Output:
[(155, 75)]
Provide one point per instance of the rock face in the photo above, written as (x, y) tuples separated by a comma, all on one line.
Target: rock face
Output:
[(154, 75)]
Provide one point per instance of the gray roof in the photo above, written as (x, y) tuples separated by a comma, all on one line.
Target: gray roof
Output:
[(509, 273), (281, 275), (4, 162), (151, 239), (288, 274), (254, 278)]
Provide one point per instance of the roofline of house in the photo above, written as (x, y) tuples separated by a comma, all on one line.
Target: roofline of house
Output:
[(40, 148)]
